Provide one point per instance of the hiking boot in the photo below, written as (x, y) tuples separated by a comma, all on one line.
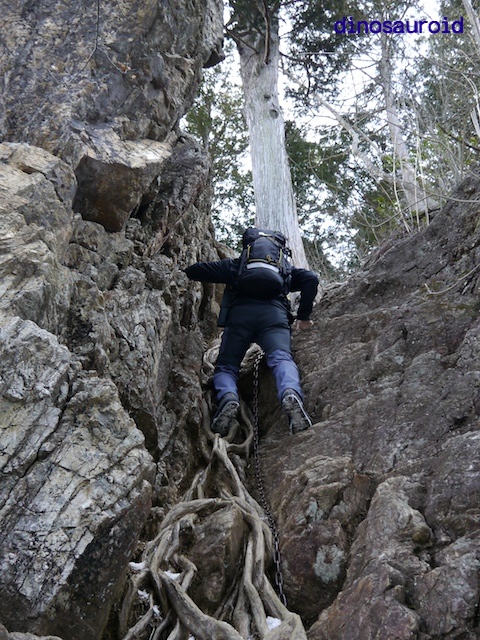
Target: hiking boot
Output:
[(227, 410), (298, 418)]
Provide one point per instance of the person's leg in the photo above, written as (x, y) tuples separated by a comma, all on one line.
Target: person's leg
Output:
[(225, 378), (274, 337), (285, 372), (236, 339), (235, 342), (275, 340)]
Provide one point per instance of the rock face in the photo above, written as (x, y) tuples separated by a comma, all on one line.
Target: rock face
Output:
[(378, 504), (130, 66), (101, 199), (76, 485), (103, 442), (90, 331)]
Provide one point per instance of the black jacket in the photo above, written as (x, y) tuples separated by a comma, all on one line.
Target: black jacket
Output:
[(225, 271)]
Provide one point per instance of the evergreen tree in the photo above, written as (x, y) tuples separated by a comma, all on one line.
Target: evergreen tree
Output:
[(383, 125), (216, 118), (254, 26)]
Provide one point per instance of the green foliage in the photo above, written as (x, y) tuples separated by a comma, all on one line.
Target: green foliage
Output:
[(320, 199), (216, 118), (314, 46), (434, 97), (344, 209)]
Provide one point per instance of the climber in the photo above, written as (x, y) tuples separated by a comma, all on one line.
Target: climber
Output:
[(255, 308)]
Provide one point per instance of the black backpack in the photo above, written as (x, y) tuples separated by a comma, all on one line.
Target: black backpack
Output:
[(265, 269)]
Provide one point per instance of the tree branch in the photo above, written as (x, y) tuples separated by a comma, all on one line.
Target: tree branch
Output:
[(238, 39), (268, 31), (457, 139)]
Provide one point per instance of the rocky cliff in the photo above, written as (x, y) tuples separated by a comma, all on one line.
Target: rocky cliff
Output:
[(379, 503), (122, 516)]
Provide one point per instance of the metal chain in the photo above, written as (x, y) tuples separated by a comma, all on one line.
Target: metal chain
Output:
[(261, 486)]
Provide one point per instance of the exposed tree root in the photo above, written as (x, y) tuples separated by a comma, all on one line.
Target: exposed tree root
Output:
[(156, 603)]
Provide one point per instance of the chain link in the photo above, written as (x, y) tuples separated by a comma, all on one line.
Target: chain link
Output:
[(261, 486)]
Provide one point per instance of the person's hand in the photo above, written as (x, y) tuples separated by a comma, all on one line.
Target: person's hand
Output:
[(302, 325)]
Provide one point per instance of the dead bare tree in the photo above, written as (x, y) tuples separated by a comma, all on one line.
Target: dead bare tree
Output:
[(409, 181)]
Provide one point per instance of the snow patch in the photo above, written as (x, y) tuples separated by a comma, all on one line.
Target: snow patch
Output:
[(172, 575), (272, 623)]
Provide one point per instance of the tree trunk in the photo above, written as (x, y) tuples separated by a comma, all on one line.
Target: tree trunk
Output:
[(474, 21), (274, 199)]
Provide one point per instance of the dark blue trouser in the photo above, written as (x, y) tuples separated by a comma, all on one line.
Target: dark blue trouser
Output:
[(265, 323)]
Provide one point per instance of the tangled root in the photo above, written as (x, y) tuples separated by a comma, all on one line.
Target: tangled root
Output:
[(157, 604)]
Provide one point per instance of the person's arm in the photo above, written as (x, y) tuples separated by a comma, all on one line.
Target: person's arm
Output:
[(306, 282), (221, 271)]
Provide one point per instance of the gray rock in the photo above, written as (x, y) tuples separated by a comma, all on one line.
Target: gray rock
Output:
[(101, 344), (391, 377), (4, 635), (217, 550), (92, 323), (134, 66), (114, 175), (36, 227), (76, 487)]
